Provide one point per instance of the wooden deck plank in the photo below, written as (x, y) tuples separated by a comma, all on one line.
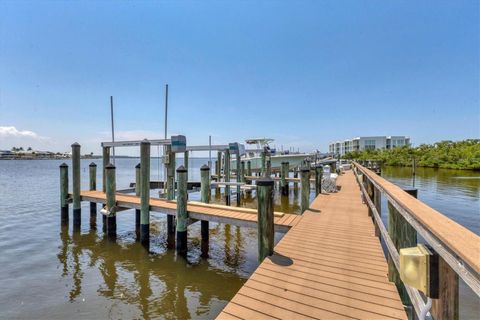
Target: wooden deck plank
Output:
[(212, 212), (329, 265)]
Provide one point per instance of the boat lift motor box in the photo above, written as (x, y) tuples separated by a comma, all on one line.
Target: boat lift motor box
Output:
[(236, 148), (179, 143)]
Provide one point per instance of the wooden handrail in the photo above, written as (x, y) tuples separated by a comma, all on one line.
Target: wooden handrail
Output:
[(415, 296), (456, 244)]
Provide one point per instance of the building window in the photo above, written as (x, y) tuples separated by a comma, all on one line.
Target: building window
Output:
[(369, 144)]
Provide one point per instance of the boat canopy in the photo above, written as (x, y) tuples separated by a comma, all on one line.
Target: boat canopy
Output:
[(259, 141)]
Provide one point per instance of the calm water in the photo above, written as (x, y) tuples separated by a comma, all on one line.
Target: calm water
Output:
[(48, 272)]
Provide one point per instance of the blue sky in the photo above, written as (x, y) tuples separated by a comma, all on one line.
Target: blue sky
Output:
[(302, 72)]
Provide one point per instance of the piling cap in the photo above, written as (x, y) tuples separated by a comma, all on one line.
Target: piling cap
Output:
[(205, 168), (64, 165), (93, 164), (305, 169), (137, 166), (181, 169), (265, 182), (76, 144), (319, 166), (145, 141), (110, 166)]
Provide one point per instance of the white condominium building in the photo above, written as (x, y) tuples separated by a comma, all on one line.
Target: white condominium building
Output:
[(368, 143)]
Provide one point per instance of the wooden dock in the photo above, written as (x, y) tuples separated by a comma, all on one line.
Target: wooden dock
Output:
[(199, 211), (330, 265)]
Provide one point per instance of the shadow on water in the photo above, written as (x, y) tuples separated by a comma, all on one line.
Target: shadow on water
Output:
[(158, 284), (161, 283)]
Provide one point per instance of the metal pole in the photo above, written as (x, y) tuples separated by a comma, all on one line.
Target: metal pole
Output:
[(164, 148), (166, 109), (210, 152), (113, 128)]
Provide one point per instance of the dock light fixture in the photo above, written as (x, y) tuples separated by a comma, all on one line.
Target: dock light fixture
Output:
[(419, 269)]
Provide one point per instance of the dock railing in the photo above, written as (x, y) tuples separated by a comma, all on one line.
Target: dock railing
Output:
[(458, 248)]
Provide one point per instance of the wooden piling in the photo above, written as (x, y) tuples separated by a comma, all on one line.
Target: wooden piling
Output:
[(269, 167), (170, 163), (145, 193), (239, 176), (205, 198), (447, 305), (295, 183), (93, 186), (185, 159), (77, 209), (182, 214), (242, 171), (227, 176), (284, 176), (64, 194), (377, 201), (305, 185), (249, 168), (105, 162), (265, 218), (138, 185), (219, 171), (403, 235), (111, 201), (318, 179), (263, 156)]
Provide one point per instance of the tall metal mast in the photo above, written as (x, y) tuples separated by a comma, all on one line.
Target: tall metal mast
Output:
[(113, 128)]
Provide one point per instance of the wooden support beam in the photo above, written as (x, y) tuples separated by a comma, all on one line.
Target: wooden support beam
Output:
[(446, 307), (205, 198), (77, 209), (377, 201), (105, 162), (263, 156), (227, 176), (111, 202), (170, 163), (295, 183), (93, 186), (182, 214), (185, 159), (284, 175), (265, 218), (318, 179), (145, 194), (305, 185), (239, 177), (64, 194), (138, 185), (403, 235)]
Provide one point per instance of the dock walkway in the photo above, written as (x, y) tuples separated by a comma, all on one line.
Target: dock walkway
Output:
[(199, 211), (330, 265)]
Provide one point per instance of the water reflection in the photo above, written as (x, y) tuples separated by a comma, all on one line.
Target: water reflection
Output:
[(455, 193), (156, 284)]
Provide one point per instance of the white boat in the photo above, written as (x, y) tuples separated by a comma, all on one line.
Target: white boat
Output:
[(276, 158)]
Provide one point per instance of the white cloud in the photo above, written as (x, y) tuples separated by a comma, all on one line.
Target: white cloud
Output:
[(12, 132)]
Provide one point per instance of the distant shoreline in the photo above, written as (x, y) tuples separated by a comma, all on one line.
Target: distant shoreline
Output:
[(89, 157)]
